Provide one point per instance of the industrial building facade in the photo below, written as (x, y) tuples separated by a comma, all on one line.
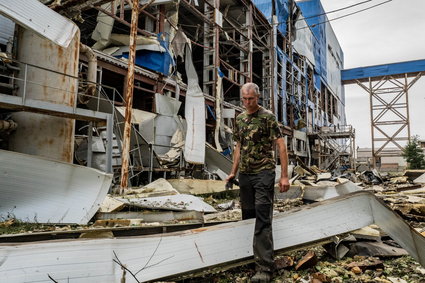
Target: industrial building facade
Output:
[(192, 58)]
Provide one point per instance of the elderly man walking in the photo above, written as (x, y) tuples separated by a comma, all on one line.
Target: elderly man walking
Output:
[(256, 133)]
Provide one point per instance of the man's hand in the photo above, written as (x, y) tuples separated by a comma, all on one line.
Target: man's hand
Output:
[(284, 184), (230, 177)]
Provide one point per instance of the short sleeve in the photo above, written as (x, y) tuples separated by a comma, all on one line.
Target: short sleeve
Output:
[(236, 133), (275, 131)]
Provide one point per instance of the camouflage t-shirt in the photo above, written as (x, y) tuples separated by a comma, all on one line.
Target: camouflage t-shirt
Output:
[(256, 132)]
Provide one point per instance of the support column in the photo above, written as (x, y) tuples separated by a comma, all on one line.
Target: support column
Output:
[(389, 114)]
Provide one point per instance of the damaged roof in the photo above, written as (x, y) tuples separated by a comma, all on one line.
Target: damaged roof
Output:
[(39, 18)]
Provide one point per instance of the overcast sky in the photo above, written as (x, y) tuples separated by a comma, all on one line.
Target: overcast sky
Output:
[(392, 32)]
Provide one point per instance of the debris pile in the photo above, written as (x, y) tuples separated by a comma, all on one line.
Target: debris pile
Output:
[(364, 255)]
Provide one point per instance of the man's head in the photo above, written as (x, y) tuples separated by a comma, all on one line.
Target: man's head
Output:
[(250, 96)]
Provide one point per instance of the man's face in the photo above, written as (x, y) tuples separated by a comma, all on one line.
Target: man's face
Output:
[(250, 100)]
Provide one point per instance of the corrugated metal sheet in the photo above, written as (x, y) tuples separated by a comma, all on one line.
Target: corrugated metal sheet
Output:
[(35, 189), (35, 16), (159, 256)]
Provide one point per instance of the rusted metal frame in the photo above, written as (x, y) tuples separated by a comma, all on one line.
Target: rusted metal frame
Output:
[(396, 82), (249, 22), (409, 85), (121, 71), (230, 67), (229, 50), (238, 45), (144, 89), (122, 8), (390, 139), (129, 96), (388, 90), (369, 90), (378, 83), (233, 26), (232, 81), (161, 20), (260, 38), (259, 16), (196, 12), (216, 59), (141, 31), (376, 95), (388, 106), (406, 90)]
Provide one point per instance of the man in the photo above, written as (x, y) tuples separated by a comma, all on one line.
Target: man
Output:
[(255, 134)]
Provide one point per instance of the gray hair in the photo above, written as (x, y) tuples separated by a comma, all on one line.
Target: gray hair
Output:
[(251, 86)]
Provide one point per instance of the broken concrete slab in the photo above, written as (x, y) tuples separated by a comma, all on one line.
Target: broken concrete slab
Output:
[(176, 202), (198, 187), (413, 174), (37, 189), (228, 215), (321, 193), (323, 176), (159, 187), (379, 249), (370, 232), (110, 204), (182, 252), (294, 192), (420, 179)]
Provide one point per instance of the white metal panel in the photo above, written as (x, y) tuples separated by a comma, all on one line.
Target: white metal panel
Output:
[(334, 62), (41, 19), (36, 189), (159, 256), (303, 43), (165, 105), (194, 147), (92, 260), (322, 193)]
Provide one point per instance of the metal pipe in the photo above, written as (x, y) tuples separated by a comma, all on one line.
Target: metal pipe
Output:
[(89, 144), (150, 163), (8, 125), (129, 96), (109, 142), (92, 70)]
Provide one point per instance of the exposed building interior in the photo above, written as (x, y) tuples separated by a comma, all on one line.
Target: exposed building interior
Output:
[(191, 60)]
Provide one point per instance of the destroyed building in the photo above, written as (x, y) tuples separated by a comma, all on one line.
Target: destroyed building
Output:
[(65, 75)]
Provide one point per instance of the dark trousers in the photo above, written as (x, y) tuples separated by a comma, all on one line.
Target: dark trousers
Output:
[(257, 194)]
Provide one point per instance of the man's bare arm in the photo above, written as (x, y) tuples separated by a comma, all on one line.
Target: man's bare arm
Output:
[(236, 160), (283, 156)]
